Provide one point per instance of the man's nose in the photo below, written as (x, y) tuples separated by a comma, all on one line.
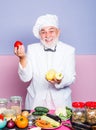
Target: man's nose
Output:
[(47, 34)]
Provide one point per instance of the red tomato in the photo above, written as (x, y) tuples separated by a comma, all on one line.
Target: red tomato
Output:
[(17, 44), (1, 117)]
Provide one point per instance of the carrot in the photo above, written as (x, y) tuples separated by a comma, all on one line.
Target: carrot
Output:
[(43, 124)]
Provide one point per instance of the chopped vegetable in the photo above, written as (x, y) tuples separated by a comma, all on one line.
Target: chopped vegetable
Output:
[(64, 113), (53, 122)]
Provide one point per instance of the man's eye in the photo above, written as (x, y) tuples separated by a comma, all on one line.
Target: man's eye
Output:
[(51, 31), (42, 32)]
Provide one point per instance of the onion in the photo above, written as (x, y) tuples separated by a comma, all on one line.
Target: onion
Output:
[(10, 124)]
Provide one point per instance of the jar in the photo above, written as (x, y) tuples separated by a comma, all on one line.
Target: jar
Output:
[(91, 112), (3, 104), (16, 104), (10, 114), (78, 112)]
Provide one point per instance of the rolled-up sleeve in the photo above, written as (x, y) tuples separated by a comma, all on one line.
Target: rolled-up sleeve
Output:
[(25, 74)]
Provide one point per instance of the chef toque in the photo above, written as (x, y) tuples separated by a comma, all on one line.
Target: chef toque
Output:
[(43, 21)]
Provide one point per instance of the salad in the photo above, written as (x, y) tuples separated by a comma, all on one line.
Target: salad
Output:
[(64, 113)]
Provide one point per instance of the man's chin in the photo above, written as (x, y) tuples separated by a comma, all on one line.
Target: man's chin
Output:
[(49, 44)]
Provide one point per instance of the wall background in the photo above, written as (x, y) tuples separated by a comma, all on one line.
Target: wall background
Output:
[(78, 28), (83, 89), (77, 22)]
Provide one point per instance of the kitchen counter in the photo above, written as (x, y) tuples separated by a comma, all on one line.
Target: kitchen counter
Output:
[(62, 127)]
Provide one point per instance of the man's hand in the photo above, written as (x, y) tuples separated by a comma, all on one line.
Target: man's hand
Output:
[(20, 52), (54, 77), (55, 81)]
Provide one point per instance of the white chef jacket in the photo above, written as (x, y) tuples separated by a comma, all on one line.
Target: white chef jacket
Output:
[(40, 92)]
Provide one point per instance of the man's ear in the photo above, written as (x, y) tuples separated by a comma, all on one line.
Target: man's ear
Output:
[(59, 31)]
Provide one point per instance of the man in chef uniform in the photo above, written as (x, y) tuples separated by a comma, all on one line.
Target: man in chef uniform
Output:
[(49, 54)]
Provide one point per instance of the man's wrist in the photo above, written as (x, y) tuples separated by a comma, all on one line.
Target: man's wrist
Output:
[(22, 57)]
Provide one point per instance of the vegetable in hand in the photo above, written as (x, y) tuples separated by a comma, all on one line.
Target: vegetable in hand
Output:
[(17, 44)]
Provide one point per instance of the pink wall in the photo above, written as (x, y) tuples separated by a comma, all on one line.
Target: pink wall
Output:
[(10, 84), (83, 89)]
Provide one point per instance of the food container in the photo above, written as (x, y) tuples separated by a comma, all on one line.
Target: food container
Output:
[(16, 104), (3, 104), (10, 114), (78, 112), (91, 112)]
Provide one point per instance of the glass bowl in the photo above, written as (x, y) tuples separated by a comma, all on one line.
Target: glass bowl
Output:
[(3, 123)]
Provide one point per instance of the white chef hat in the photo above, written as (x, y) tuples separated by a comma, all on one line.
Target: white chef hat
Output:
[(43, 21)]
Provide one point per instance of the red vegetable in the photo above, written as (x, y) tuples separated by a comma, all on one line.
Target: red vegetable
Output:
[(1, 117), (10, 124), (17, 44)]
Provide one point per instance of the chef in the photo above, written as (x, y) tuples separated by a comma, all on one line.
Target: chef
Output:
[(49, 54)]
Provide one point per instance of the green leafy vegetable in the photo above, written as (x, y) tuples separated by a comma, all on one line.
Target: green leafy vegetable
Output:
[(68, 114)]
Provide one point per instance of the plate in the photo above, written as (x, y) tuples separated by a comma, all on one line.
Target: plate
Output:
[(48, 122), (49, 128)]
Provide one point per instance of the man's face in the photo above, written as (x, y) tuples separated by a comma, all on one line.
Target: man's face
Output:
[(49, 35)]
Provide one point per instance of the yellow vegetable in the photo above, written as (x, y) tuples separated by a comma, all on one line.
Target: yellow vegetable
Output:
[(58, 76), (50, 75)]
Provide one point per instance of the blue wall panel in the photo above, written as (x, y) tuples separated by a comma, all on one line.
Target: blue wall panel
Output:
[(77, 19)]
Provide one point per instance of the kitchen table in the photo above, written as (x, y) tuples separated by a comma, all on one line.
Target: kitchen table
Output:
[(62, 127)]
